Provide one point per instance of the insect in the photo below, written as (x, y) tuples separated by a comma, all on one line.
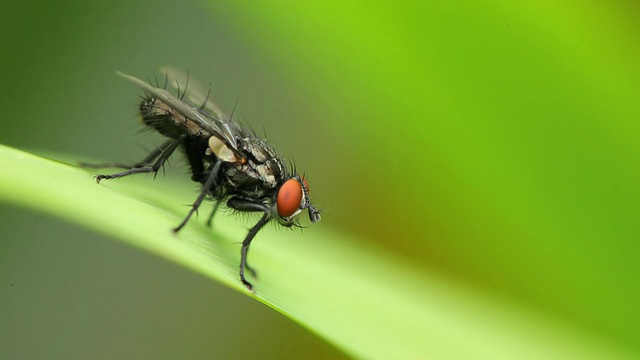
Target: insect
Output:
[(234, 166)]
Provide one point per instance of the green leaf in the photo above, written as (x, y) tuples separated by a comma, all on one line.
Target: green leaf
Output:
[(366, 302)]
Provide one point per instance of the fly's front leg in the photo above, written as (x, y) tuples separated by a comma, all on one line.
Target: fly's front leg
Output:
[(248, 206)]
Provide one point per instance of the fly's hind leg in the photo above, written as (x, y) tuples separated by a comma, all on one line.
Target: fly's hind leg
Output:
[(150, 164), (144, 162)]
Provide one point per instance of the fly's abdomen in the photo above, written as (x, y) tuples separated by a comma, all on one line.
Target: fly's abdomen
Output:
[(169, 122)]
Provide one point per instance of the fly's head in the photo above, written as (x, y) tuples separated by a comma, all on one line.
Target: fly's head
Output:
[(291, 198)]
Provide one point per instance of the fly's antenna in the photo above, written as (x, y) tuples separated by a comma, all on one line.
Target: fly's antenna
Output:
[(166, 80)]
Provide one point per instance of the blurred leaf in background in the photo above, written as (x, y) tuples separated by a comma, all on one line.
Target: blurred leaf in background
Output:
[(492, 143), (486, 140)]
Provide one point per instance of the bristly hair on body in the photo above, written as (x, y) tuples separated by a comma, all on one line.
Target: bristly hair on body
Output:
[(231, 163)]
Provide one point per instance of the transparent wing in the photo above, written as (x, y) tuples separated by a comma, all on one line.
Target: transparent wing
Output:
[(219, 127), (197, 94)]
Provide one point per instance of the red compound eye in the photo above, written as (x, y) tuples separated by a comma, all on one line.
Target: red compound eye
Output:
[(289, 198)]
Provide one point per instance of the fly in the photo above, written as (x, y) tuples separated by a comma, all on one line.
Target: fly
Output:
[(233, 165)]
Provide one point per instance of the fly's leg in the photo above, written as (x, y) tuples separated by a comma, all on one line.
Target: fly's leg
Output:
[(143, 167), (144, 162), (245, 250), (160, 155), (119, 165), (206, 187), (213, 213), (248, 206)]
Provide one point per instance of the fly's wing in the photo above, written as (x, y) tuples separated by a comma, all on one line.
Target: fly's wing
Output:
[(196, 93), (217, 126)]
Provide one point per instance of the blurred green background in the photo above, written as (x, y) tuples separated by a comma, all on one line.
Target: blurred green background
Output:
[(493, 144)]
